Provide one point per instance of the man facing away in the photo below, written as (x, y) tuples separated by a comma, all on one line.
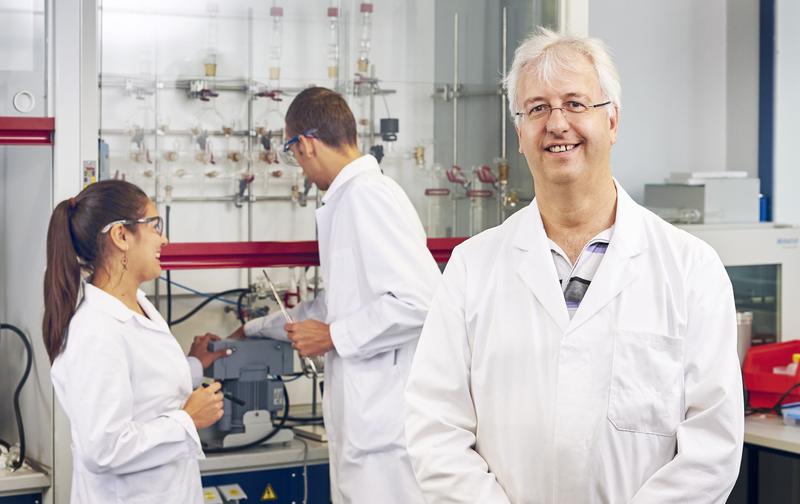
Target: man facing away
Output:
[(584, 351), (379, 280)]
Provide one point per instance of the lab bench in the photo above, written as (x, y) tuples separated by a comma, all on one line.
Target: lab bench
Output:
[(272, 473), (770, 469), (24, 486), (269, 473)]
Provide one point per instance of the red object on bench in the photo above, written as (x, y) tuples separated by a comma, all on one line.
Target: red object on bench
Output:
[(763, 386)]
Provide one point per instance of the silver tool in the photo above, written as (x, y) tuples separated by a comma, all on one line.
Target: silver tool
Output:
[(308, 364)]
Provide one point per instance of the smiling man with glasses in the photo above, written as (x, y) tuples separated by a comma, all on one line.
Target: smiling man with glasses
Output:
[(379, 278), (584, 351)]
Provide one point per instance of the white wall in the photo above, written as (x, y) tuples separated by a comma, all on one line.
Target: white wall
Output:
[(786, 204), (672, 62), (742, 86)]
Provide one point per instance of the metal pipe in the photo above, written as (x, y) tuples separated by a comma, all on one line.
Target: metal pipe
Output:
[(49, 67), (233, 85), (156, 143), (443, 93), (503, 181), (455, 89), (119, 131), (503, 96), (337, 82), (156, 185), (314, 395), (372, 85), (455, 113), (227, 199), (250, 127), (367, 136), (344, 56), (318, 202), (455, 212)]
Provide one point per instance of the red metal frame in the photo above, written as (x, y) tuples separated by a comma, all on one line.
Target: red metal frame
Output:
[(442, 248), (238, 255), (218, 255), (26, 130)]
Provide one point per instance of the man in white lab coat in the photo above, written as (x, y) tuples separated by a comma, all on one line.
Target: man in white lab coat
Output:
[(379, 280), (584, 351)]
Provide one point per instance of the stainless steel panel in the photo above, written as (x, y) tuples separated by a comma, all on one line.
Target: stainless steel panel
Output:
[(25, 200), (23, 61)]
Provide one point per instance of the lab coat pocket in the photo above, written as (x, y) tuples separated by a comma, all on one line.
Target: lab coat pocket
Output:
[(157, 484), (646, 383), (373, 403)]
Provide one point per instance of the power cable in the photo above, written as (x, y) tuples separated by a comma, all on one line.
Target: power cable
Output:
[(199, 307), (16, 464), (169, 275), (276, 428)]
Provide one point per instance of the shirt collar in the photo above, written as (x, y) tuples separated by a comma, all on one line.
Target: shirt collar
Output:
[(603, 236), (630, 236), (363, 164)]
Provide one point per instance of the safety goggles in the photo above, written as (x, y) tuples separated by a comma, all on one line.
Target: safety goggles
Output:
[(287, 156), (156, 223)]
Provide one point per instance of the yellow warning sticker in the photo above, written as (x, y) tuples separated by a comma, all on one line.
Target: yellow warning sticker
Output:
[(269, 494)]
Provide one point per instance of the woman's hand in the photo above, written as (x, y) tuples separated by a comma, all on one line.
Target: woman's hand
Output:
[(199, 350), (205, 405)]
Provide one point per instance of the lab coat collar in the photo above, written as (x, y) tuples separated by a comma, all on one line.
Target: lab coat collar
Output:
[(620, 263), (154, 318), (356, 167), (537, 270), (105, 302), (630, 236)]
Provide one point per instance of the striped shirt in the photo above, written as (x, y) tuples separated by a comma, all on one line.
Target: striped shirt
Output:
[(575, 279)]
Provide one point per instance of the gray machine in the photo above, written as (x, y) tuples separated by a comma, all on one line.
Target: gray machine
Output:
[(250, 374), (709, 201)]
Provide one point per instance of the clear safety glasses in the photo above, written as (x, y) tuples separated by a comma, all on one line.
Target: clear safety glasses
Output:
[(156, 223)]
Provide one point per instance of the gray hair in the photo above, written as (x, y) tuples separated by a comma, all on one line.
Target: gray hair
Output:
[(547, 53)]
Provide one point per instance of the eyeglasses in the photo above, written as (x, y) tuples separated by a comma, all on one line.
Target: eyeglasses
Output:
[(287, 156), (156, 223), (296, 138), (543, 110)]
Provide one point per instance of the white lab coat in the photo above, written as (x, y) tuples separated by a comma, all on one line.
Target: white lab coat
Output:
[(380, 279), (122, 381), (637, 398)]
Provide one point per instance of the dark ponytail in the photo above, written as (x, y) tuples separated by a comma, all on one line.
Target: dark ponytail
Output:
[(75, 246)]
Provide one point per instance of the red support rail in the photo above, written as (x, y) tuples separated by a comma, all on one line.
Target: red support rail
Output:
[(26, 130), (218, 255), (238, 255), (442, 248)]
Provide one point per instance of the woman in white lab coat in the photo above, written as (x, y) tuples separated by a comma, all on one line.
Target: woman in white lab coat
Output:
[(118, 373)]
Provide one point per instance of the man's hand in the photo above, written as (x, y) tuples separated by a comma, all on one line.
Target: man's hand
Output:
[(200, 351), (310, 337), (238, 334)]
